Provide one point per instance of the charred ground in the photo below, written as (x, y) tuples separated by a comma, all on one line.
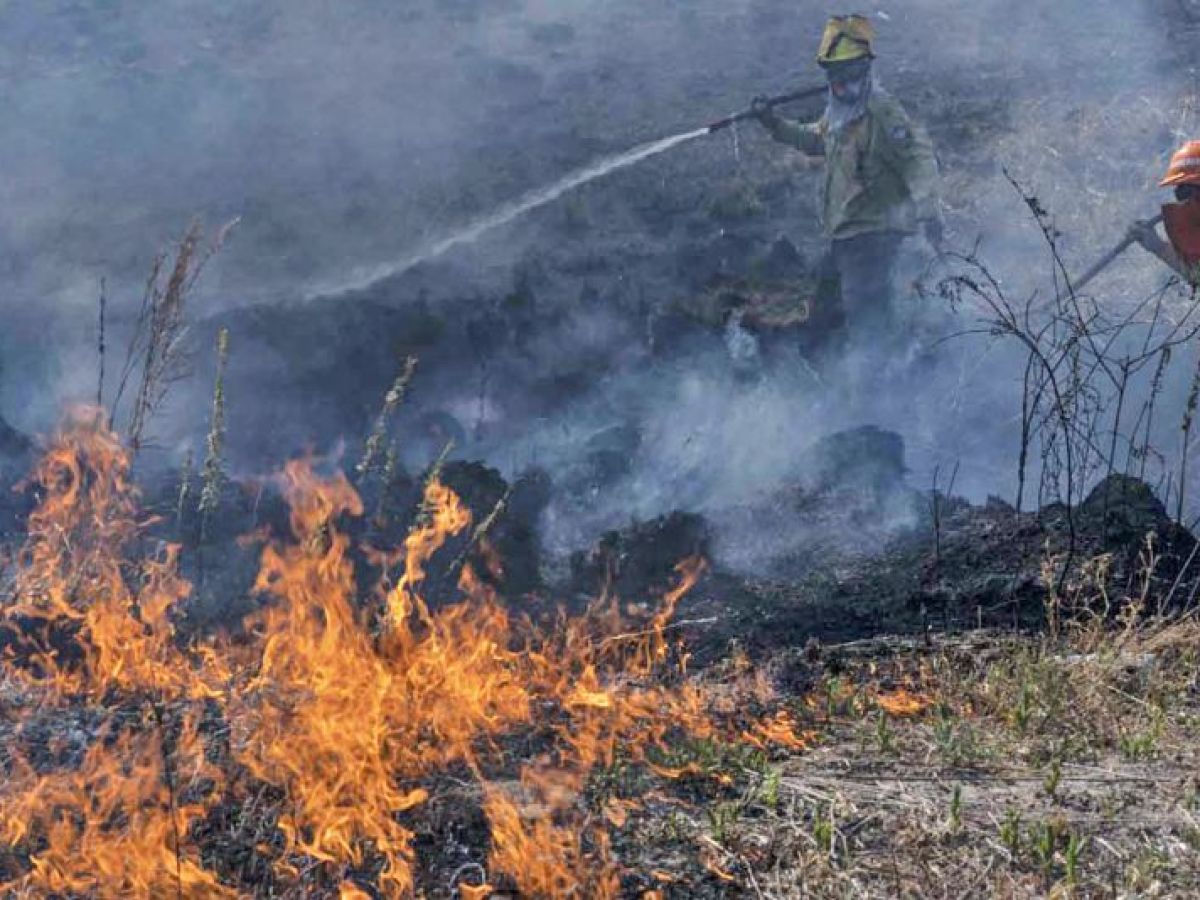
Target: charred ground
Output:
[(1002, 699)]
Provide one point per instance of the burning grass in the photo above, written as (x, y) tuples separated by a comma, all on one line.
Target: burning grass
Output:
[(300, 756), (349, 743)]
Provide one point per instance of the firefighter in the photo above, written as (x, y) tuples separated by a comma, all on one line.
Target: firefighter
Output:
[(1181, 219), (880, 174)]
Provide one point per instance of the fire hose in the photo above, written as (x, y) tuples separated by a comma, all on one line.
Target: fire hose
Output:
[(1111, 256), (769, 103)]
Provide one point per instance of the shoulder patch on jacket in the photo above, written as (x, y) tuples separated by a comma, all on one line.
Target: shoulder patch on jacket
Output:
[(900, 133)]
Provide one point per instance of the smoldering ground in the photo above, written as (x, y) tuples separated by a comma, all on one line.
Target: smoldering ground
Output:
[(346, 136)]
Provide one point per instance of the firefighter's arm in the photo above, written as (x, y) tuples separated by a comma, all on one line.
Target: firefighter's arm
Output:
[(1146, 236), (804, 136), (807, 137)]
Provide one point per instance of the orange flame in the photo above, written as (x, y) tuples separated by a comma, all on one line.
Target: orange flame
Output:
[(73, 578), (345, 712), (475, 891), (778, 729), (902, 702), (77, 813)]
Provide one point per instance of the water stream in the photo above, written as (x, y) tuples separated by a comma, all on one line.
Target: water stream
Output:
[(514, 209)]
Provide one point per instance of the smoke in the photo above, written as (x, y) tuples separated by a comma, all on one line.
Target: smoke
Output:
[(350, 136), (339, 133)]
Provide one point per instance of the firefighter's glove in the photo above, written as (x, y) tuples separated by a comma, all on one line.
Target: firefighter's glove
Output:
[(761, 109), (1145, 234)]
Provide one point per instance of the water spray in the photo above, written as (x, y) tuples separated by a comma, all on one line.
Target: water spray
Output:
[(540, 197)]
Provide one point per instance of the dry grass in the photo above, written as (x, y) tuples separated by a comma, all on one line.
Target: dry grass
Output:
[(1035, 768), (990, 764), (155, 358)]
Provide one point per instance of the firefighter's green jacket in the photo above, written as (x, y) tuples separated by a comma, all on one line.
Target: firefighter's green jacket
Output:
[(880, 171)]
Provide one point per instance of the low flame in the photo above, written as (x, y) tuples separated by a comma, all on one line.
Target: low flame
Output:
[(71, 814), (343, 713), (779, 730), (902, 702)]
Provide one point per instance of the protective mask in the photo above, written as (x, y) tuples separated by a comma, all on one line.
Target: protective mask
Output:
[(851, 105), (848, 91), (854, 82)]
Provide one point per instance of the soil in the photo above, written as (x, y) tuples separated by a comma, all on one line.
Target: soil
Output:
[(645, 270), (982, 567)]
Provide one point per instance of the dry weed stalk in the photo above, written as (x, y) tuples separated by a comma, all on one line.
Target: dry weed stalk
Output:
[(185, 490), (213, 473), (1189, 414), (1081, 364), (374, 448), (155, 356), (101, 347), (481, 531)]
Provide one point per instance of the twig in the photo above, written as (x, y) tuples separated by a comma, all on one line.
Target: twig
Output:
[(101, 345), (750, 875), (391, 401), (212, 473), (1189, 414), (156, 348), (673, 626), (481, 531), (169, 777)]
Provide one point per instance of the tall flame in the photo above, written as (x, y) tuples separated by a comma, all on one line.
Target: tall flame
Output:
[(344, 706)]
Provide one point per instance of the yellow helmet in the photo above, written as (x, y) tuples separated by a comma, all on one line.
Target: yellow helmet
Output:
[(846, 39)]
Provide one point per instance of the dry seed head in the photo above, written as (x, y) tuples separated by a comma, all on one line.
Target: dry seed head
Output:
[(185, 488), (213, 474), (391, 400)]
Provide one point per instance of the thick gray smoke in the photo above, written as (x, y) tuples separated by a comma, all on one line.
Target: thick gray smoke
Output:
[(349, 136)]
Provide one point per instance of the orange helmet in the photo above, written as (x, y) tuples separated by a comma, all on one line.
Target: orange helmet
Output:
[(1185, 166)]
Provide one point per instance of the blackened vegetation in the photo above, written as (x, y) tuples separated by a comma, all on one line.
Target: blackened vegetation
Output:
[(1086, 366), (947, 566), (638, 563)]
